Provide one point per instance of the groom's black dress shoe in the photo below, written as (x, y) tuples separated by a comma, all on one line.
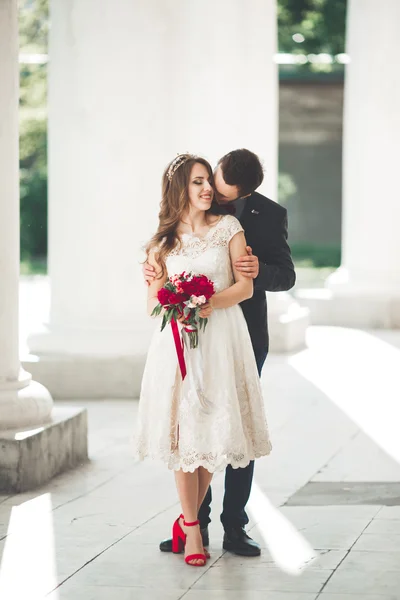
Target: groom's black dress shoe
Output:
[(166, 545), (237, 541)]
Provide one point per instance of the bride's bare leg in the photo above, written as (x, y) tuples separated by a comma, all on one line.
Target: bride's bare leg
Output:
[(205, 478), (188, 489)]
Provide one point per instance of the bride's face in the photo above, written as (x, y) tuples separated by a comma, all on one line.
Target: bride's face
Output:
[(201, 192)]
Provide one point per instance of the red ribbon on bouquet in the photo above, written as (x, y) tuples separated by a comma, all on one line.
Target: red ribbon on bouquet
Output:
[(179, 348)]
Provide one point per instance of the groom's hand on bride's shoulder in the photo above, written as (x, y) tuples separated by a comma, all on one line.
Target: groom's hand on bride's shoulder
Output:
[(248, 265), (149, 273)]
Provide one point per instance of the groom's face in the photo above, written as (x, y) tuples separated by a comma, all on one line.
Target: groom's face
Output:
[(225, 192)]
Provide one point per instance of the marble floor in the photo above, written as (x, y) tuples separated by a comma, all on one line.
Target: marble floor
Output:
[(333, 408)]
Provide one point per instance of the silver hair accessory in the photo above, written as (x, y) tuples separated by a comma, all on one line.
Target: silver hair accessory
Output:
[(176, 163)]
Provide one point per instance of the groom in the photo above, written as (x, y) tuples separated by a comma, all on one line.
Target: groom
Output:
[(238, 174)]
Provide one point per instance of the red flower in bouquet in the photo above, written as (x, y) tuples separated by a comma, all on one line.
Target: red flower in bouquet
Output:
[(199, 285), (183, 296), (167, 297)]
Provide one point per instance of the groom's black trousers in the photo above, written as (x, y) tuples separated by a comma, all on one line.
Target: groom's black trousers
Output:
[(237, 483)]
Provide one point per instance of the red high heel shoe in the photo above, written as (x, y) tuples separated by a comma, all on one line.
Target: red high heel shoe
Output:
[(179, 541), (181, 538)]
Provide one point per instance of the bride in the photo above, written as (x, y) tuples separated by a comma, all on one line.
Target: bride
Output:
[(214, 417)]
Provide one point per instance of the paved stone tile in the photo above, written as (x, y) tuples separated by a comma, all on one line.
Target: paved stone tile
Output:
[(153, 531), (375, 561), (28, 577), (4, 530), (277, 471), (321, 527), (345, 493), (329, 515), (321, 539), (5, 512), (389, 512), (247, 595), (383, 542), (332, 540), (384, 526), (71, 561), (341, 596), (146, 554), (70, 547), (64, 551), (168, 575), (362, 581), (350, 463), (325, 559), (256, 579), (70, 591)]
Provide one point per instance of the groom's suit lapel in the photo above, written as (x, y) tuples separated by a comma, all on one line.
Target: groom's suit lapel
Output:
[(252, 213), (253, 222)]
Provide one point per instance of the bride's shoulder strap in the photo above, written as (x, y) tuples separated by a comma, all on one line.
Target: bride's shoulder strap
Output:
[(226, 228), (231, 226)]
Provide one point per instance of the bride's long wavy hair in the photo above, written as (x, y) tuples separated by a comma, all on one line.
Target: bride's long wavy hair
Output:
[(174, 203)]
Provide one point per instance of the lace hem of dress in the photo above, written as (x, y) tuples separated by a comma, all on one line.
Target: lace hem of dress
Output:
[(190, 462)]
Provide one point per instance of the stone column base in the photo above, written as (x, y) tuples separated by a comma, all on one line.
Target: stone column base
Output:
[(24, 403), (29, 458), (361, 310), (287, 323)]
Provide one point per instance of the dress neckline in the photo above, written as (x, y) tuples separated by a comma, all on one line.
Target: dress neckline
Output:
[(203, 237)]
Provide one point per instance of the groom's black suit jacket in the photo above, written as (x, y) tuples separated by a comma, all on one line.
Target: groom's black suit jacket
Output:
[(265, 227)]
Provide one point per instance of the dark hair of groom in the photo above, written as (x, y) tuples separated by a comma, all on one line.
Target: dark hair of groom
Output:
[(243, 169)]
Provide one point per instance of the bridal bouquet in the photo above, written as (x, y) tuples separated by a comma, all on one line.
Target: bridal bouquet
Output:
[(183, 296)]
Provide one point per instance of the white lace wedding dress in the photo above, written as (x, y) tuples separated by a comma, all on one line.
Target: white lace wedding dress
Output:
[(216, 415)]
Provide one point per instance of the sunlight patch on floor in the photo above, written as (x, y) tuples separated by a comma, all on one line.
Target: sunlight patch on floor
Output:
[(289, 549), (359, 373), (28, 567)]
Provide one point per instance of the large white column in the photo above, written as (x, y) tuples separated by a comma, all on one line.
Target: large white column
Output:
[(224, 80), (22, 402), (132, 84), (366, 288)]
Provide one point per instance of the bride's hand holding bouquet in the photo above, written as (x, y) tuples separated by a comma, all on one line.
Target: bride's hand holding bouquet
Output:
[(185, 298)]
